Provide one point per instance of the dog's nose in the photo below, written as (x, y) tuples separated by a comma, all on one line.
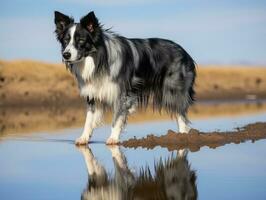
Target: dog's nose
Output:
[(66, 55)]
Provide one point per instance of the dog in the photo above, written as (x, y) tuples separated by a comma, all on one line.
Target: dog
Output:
[(122, 74)]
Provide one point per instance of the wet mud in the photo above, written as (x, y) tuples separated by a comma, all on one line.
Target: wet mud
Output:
[(196, 139)]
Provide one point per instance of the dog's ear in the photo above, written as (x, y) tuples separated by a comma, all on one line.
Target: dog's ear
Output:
[(61, 21), (90, 22)]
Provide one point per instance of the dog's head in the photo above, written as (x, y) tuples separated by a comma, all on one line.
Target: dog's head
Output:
[(77, 39)]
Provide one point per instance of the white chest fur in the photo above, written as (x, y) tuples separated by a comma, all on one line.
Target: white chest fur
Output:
[(100, 88)]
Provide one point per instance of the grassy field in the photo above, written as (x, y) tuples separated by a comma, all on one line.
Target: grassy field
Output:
[(231, 82), (35, 83)]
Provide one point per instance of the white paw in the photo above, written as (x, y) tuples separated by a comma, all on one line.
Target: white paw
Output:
[(82, 141), (185, 129), (112, 141)]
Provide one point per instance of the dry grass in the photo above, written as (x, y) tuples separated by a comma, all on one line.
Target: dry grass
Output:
[(227, 82), (36, 83)]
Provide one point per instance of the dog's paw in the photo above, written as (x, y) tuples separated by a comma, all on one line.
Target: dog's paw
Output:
[(185, 130), (112, 141), (81, 141)]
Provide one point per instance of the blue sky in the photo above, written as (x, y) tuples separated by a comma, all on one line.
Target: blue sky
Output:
[(219, 32)]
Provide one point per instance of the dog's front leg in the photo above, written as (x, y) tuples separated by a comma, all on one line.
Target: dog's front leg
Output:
[(93, 119), (119, 120)]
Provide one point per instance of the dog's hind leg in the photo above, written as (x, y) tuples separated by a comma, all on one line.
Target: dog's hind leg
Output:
[(93, 119), (182, 124)]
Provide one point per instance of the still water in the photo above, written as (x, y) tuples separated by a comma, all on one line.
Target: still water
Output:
[(47, 165)]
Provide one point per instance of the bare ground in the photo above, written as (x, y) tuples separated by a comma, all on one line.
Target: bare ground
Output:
[(196, 139)]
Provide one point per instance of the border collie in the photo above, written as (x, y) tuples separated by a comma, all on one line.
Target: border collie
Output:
[(122, 74)]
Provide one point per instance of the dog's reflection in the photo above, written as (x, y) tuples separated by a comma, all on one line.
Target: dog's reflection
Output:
[(172, 179)]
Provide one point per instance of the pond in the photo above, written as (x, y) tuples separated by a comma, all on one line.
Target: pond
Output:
[(47, 165)]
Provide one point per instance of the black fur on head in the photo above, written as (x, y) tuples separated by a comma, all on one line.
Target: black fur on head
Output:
[(94, 30), (62, 22), (92, 25), (90, 22)]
